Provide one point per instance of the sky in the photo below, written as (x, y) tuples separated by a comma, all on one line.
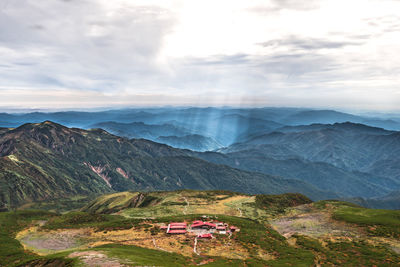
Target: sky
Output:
[(341, 54)]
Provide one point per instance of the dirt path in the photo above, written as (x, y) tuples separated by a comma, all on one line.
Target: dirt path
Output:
[(187, 206), (195, 246), (240, 212), (157, 247)]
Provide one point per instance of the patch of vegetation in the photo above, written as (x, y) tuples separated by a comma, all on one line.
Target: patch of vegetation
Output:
[(143, 256), (173, 203), (348, 253), (377, 222), (12, 252), (61, 205), (323, 204), (148, 201), (279, 203), (100, 222)]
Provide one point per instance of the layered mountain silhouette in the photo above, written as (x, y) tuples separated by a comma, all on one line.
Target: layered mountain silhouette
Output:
[(324, 150), (346, 145), (47, 160), (193, 142)]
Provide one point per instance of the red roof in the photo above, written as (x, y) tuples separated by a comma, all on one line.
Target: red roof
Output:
[(176, 232), (205, 236), (178, 223), (194, 222), (177, 227), (221, 228), (199, 224), (210, 224)]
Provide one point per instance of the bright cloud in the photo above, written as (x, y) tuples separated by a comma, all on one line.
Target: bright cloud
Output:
[(340, 54)]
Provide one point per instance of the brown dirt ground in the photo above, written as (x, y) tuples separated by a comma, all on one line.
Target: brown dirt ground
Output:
[(315, 224), (49, 242), (96, 259), (220, 208)]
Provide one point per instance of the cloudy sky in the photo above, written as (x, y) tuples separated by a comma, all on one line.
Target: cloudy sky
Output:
[(342, 54)]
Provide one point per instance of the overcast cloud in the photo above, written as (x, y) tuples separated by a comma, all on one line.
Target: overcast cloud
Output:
[(94, 53)]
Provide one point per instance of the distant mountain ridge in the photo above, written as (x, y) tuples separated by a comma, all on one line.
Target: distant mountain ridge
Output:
[(169, 134), (193, 142), (390, 201), (140, 129), (345, 147), (47, 160)]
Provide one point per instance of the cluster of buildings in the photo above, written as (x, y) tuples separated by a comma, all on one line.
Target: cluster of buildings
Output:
[(201, 228)]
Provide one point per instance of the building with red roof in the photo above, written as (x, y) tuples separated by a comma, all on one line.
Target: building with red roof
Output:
[(202, 225), (176, 232), (177, 226), (178, 223), (208, 236)]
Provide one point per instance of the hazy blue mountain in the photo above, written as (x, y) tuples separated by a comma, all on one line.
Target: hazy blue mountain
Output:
[(390, 124), (322, 175), (228, 128), (222, 124), (334, 157), (193, 142), (390, 201), (349, 127), (348, 146), (386, 167), (176, 136), (320, 116), (306, 117), (141, 130)]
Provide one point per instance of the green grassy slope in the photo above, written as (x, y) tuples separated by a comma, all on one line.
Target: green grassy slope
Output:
[(11, 251), (257, 239), (377, 222)]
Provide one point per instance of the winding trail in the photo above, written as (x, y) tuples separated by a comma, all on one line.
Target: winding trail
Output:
[(240, 212), (187, 205), (195, 246), (157, 247)]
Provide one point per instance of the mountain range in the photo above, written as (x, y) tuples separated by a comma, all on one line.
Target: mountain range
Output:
[(47, 160), (266, 150)]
